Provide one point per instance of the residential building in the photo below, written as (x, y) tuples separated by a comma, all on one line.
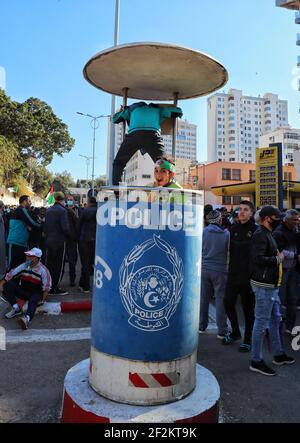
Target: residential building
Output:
[(235, 122), (288, 137)]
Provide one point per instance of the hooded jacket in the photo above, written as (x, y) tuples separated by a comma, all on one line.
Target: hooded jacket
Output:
[(215, 245)]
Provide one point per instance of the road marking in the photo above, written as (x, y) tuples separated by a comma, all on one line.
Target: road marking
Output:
[(16, 336)]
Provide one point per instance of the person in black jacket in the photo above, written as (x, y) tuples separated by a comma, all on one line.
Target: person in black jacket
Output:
[(71, 247), (238, 282), (286, 239), (266, 275), (57, 232), (87, 241)]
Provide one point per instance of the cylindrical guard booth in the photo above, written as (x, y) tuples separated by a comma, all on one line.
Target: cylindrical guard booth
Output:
[(146, 294)]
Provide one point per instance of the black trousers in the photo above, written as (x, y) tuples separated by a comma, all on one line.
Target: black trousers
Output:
[(16, 255), (87, 258), (150, 141), (240, 286), (12, 290), (72, 259), (55, 262)]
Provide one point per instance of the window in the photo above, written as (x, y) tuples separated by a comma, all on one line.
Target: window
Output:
[(252, 175), (226, 174), (236, 174), (226, 200), (288, 176), (236, 200)]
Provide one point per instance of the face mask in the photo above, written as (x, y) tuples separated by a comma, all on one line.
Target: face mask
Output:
[(274, 223)]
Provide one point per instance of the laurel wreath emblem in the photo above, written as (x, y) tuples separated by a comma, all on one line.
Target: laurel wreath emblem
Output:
[(127, 270)]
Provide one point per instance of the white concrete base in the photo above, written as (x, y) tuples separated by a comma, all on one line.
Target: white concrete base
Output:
[(81, 404), (142, 383)]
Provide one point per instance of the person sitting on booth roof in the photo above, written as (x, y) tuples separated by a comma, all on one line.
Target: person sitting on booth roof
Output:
[(144, 133)]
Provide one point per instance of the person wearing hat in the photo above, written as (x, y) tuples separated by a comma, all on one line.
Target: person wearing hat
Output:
[(30, 281), (57, 233), (266, 275), (215, 245)]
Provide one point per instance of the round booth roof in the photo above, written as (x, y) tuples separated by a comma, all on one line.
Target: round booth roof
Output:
[(155, 71)]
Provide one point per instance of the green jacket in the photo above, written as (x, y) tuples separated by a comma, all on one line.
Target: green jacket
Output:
[(143, 117)]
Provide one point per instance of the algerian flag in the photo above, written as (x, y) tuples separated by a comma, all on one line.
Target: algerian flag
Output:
[(50, 197)]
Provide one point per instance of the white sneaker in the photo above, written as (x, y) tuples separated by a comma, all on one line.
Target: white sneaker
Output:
[(23, 322), (13, 313), (83, 290)]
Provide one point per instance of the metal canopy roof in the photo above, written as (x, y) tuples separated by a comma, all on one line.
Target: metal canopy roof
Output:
[(155, 71)]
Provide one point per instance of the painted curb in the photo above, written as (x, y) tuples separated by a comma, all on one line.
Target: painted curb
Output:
[(53, 308), (81, 404)]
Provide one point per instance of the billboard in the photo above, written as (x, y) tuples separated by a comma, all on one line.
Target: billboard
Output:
[(269, 176)]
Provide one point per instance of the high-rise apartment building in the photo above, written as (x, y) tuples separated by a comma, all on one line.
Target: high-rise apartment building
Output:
[(235, 122), (139, 170)]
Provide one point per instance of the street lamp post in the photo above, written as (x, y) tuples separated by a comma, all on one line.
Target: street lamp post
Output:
[(87, 159), (94, 125), (111, 152)]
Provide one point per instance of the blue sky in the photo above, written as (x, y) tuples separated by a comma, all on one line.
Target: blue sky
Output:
[(44, 45)]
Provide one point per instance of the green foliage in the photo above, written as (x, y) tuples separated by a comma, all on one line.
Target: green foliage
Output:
[(30, 135), (10, 162), (62, 181), (34, 128)]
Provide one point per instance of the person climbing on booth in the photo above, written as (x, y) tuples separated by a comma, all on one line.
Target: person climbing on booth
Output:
[(144, 132), (164, 173)]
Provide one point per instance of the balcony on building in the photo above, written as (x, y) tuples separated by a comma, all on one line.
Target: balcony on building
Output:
[(289, 4), (298, 40), (297, 17)]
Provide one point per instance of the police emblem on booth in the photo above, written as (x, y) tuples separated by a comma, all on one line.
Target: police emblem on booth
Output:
[(151, 294)]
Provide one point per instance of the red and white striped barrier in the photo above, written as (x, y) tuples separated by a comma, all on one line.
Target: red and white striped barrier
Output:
[(81, 404), (53, 308), (143, 380)]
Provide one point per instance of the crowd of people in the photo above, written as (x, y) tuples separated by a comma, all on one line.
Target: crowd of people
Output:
[(254, 255), (34, 246)]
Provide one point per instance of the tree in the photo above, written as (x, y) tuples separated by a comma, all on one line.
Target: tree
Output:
[(42, 180), (34, 128), (10, 162), (62, 181)]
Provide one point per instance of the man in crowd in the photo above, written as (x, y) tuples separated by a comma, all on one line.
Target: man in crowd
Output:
[(266, 262), (3, 263), (57, 232), (214, 272), (286, 239), (71, 247), (87, 240), (238, 282), (30, 281), (20, 225)]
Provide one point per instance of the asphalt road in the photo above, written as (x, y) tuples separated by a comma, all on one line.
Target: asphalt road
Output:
[(32, 373)]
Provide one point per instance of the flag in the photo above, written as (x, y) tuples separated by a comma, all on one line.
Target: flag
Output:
[(50, 196)]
